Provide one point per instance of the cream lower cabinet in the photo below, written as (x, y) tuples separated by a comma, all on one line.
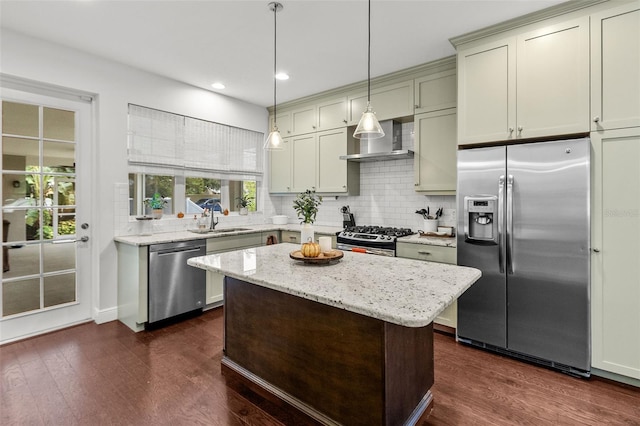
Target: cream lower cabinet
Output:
[(615, 258), (448, 317), (435, 152), (214, 294), (294, 237), (527, 85), (615, 68)]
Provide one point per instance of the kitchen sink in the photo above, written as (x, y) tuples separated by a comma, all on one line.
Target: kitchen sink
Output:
[(229, 230)]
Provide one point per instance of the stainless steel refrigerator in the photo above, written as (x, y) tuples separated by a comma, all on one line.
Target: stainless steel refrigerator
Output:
[(524, 222)]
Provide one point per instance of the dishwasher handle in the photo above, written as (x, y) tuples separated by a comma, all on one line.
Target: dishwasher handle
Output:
[(178, 250)]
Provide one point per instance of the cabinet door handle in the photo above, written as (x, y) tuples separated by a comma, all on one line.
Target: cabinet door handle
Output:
[(416, 106), (344, 121), (596, 119), (313, 127), (510, 130), (428, 253), (596, 250), (520, 128), (292, 237)]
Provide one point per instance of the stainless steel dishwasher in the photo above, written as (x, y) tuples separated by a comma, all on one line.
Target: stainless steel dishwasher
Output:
[(175, 287)]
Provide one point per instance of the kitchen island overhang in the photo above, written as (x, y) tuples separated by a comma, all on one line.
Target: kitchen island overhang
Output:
[(345, 343)]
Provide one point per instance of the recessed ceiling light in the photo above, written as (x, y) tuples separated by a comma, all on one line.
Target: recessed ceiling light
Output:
[(282, 76), (218, 86)]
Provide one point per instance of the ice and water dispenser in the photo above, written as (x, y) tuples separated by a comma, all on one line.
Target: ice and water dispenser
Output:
[(481, 219)]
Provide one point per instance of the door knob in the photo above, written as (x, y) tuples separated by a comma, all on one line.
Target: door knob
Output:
[(84, 226)]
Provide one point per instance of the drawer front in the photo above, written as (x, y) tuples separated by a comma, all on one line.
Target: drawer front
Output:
[(290, 237), (232, 242), (427, 252)]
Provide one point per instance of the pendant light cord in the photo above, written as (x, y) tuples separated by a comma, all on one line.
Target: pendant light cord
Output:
[(369, 56), (275, 56)]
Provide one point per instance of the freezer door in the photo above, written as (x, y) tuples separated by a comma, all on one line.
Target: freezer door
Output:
[(548, 251), (482, 308)]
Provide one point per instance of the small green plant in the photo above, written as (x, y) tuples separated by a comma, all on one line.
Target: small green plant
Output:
[(156, 202), (306, 205), (244, 201)]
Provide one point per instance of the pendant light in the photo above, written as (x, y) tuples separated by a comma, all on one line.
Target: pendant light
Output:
[(274, 141), (368, 127)]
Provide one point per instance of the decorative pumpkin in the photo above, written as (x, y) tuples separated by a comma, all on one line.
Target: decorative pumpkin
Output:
[(310, 249)]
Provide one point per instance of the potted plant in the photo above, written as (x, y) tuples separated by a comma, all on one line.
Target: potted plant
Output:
[(306, 206), (156, 204), (243, 203)]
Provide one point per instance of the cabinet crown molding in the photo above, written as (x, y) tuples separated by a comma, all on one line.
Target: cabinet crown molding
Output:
[(520, 21)]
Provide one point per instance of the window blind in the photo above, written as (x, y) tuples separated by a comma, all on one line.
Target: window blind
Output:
[(195, 147)]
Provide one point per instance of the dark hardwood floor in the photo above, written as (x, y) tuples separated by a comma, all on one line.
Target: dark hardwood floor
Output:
[(106, 374)]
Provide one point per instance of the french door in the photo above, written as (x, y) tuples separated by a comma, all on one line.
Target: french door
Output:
[(46, 278)]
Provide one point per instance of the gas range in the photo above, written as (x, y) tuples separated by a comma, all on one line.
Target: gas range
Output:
[(371, 239)]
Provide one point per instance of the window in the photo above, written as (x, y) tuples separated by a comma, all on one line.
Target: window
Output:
[(142, 187), (193, 164)]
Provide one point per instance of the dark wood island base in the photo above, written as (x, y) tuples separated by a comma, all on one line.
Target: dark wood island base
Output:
[(335, 366)]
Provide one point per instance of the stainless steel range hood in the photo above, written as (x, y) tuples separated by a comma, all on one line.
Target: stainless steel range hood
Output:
[(387, 148)]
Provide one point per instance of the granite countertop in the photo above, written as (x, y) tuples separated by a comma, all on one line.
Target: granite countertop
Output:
[(407, 292), (171, 237), (431, 241)]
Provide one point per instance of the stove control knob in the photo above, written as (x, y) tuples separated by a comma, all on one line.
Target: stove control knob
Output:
[(388, 237)]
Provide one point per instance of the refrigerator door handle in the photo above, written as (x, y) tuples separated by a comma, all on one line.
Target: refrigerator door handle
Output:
[(510, 263), (500, 223)]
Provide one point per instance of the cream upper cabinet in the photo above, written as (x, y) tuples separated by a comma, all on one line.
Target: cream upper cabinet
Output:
[(435, 92), (332, 114), (435, 152), (547, 95), (615, 68), (304, 120), (284, 123), (303, 162), (336, 175), (615, 258), (391, 101), (280, 169), (553, 80), (487, 92)]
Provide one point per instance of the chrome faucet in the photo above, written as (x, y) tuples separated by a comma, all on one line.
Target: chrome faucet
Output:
[(214, 222)]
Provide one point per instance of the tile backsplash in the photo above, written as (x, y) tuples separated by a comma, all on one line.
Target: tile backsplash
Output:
[(387, 198)]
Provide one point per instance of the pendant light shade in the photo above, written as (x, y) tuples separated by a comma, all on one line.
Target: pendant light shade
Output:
[(368, 126), (274, 141)]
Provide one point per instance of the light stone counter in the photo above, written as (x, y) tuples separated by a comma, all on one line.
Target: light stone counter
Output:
[(172, 237), (407, 292)]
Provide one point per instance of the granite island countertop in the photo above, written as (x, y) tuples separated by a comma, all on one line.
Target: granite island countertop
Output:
[(406, 292)]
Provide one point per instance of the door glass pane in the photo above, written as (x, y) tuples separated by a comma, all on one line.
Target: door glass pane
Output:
[(58, 124), (17, 153), (20, 119), (59, 289), (60, 156), (22, 260), (58, 257), (20, 296)]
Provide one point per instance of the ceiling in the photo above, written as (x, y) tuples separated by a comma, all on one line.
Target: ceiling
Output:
[(321, 44)]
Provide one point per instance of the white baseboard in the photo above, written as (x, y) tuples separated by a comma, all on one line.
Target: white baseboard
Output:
[(101, 316)]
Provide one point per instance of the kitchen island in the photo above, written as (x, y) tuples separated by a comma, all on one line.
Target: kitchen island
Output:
[(346, 343)]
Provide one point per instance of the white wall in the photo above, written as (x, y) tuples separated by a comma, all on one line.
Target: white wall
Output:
[(116, 86)]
